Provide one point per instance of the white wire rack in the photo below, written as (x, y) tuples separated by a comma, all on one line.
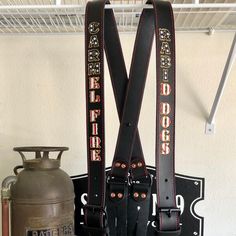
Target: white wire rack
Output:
[(67, 16)]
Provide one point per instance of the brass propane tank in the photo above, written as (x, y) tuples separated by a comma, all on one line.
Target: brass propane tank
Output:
[(42, 196)]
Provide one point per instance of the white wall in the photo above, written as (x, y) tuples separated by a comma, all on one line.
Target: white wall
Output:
[(42, 103)]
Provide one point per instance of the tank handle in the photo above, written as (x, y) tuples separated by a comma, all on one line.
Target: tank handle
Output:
[(39, 149), (22, 156), (17, 168), (59, 155)]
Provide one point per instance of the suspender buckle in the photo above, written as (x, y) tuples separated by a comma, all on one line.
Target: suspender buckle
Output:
[(169, 210), (146, 180), (116, 180), (95, 215), (94, 209), (169, 232)]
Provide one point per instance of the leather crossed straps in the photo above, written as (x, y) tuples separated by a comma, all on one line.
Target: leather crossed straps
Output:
[(134, 198), (128, 149)]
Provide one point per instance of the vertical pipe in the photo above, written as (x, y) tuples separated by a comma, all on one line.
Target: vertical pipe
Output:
[(5, 197), (225, 75), (5, 217)]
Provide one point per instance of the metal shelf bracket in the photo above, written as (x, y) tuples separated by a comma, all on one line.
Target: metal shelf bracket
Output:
[(210, 124)]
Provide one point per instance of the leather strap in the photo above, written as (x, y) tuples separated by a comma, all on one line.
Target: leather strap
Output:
[(119, 81), (117, 188), (140, 188), (167, 212), (94, 211)]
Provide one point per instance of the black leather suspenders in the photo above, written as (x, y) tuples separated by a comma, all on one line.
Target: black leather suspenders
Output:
[(118, 205), (94, 211)]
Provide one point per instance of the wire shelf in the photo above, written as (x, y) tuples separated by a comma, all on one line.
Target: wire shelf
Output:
[(67, 16)]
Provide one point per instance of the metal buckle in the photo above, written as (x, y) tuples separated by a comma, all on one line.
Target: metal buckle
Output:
[(168, 232), (95, 208), (98, 209), (169, 210), (116, 180), (147, 180)]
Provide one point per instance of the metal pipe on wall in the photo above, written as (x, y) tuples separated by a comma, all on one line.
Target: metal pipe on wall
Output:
[(5, 197), (5, 217), (210, 126)]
